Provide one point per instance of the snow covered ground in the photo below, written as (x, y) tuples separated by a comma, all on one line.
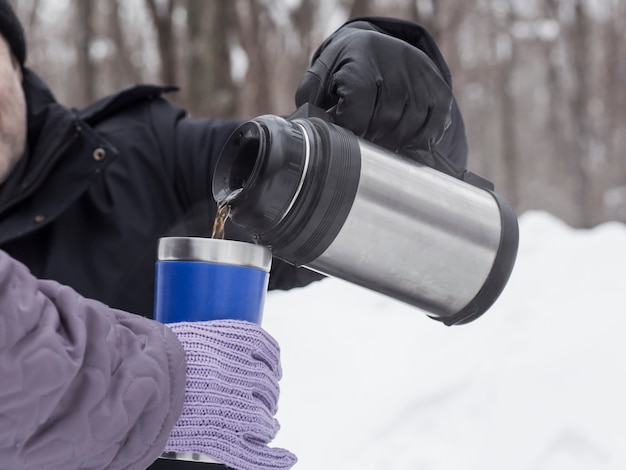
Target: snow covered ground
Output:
[(537, 383)]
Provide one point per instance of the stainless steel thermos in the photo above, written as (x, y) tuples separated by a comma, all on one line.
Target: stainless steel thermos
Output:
[(320, 197)]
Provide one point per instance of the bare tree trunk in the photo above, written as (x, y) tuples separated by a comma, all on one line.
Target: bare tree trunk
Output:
[(554, 85), (254, 26), (124, 69), (618, 120), (510, 146), (85, 67), (580, 49), (303, 21), (505, 49), (32, 17), (212, 91), (291, 69), (615, 92), (555, 173), (28, 14), (360, 8), (449, 22), (161, 13), (429, 21)]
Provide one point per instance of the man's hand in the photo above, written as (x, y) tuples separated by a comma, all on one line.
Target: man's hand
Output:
[(382, 88)]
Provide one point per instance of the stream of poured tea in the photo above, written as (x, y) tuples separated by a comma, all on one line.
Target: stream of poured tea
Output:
[(223, 211)]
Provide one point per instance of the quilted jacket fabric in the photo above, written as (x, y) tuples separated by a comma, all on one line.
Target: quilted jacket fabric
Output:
[(82, 385)]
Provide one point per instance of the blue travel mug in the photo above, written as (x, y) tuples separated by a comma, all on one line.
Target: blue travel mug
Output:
[(200, 279)]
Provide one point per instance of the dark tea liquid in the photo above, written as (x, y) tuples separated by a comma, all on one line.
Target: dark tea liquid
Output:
[(223, 211)]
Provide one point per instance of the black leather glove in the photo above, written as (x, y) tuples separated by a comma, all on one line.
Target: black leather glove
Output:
[(382, 88)]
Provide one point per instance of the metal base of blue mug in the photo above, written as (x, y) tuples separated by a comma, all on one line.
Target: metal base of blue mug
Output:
[(189, 457)]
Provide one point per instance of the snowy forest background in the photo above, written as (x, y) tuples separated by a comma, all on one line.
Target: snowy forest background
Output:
[(541, 83)]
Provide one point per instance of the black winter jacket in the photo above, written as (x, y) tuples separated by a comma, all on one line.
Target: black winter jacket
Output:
[(97, 188)]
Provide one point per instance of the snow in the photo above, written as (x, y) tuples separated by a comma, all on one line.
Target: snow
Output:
[(535, 383)]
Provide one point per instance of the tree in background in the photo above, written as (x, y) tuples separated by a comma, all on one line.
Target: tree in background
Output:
[(540, 82)]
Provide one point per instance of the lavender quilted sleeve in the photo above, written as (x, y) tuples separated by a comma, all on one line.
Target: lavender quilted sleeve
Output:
[(81, 385)]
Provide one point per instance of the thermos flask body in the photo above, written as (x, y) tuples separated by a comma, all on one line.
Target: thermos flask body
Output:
[(404, 235), (320, 197)]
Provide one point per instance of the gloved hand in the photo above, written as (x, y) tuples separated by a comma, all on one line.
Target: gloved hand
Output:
[(382, 88), (233, 369)]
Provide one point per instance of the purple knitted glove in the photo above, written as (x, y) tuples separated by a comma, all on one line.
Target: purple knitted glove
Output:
[(233, 369)]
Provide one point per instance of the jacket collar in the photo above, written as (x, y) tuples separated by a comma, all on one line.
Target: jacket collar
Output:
[(47, 119), (49, 127)]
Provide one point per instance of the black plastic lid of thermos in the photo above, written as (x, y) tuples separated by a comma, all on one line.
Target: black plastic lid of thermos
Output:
[(246, 176), (290, 183)]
